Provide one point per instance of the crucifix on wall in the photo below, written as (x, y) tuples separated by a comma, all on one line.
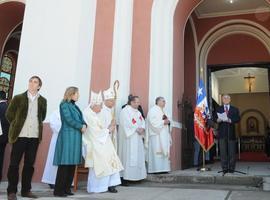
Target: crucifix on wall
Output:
[(250, 80)]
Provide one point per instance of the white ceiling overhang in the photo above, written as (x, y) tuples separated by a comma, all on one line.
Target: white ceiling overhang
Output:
[(219, 8)]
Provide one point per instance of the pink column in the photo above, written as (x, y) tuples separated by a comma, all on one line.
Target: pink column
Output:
[(102, 51), (140, 54)]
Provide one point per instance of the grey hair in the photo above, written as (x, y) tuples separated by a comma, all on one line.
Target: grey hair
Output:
[(158, 99), (226, 95)]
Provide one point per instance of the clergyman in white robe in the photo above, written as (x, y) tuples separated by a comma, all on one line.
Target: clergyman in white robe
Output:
[(101, 157), (131, 147), (107, 112), (50, 170), (158, 140)]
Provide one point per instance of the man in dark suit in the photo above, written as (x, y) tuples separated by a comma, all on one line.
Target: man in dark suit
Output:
[(226, 133), (5, 127)]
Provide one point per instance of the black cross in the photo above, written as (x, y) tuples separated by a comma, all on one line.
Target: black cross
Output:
[(249, 78)]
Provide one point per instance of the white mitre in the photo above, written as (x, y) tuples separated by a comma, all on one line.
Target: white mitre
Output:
[(108, 94), (96, 98)]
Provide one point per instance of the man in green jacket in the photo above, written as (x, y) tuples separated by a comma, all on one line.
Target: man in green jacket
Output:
[(26, 112)]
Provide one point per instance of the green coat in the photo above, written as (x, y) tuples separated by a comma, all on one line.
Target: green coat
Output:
[(68, 150), (17, 112)]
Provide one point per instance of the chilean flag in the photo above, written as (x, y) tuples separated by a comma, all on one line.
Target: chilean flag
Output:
[(203, 134)]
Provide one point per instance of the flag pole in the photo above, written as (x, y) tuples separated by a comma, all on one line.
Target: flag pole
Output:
[(203, 159), (201, 115), (204, 169)]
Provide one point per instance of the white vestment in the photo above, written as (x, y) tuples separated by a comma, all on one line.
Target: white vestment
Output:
[(131, 148), (158, 141), (106, 116), (50, 170), (101, 157)]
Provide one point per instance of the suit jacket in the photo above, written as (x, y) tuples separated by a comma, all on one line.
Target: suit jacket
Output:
[(226, 128), (4, 122), (17, 112)]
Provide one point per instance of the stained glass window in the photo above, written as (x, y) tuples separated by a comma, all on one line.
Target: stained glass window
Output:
[(7, 75), (7, 64)]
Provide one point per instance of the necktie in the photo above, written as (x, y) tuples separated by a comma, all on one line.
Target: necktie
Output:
[(226, 109)]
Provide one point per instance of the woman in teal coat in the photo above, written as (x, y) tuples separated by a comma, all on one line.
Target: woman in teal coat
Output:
[(69, 142)]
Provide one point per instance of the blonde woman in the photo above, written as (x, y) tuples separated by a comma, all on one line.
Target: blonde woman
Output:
[(69, 142)]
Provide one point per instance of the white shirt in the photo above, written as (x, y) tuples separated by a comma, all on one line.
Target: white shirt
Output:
[(31, 97)]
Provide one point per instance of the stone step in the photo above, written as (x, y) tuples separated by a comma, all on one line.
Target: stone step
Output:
[(197, 186), (228, 179)]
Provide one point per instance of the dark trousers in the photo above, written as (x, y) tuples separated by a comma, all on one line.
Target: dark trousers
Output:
[(64, 178), (2, 154), (27, 147), (227, 153)]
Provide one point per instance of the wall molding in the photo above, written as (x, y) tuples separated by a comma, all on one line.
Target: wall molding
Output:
[(246, 112), (7, 1), (227, 28), (161, 54), (196, 45), (231, 13), (7, 38)]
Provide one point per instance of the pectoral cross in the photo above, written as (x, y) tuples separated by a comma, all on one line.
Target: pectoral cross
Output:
[(250, 80)]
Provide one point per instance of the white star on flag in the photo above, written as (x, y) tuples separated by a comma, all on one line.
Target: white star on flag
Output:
[(200, 91)]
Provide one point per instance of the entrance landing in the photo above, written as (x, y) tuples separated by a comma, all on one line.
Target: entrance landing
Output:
[(255, 172)]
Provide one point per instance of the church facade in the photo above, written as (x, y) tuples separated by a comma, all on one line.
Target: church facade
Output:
[(153, 47)]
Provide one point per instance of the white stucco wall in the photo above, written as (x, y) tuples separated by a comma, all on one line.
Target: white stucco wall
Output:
[(161, 55), (56, 44), (121, 51), (215, 88)]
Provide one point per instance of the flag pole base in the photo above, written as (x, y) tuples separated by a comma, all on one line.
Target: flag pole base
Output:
[(204, 169)]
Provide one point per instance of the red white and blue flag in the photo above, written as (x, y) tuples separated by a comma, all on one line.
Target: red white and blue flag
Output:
[(203, 134)]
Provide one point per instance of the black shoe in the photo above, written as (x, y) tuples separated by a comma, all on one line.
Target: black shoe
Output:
[(60, 194), (124, 182), (51, 186), (112, 189), (29, 195), (163, 172), (69, 193), (12, 196), (231, 171)]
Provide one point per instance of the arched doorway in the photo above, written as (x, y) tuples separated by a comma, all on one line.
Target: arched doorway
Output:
[(248, 86), (9, 61), (11, 21), (205, 23)]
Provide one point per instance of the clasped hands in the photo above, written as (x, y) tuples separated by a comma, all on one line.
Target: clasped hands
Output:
[(112, 126), (83, 129), (140, 131), (166, 122)]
